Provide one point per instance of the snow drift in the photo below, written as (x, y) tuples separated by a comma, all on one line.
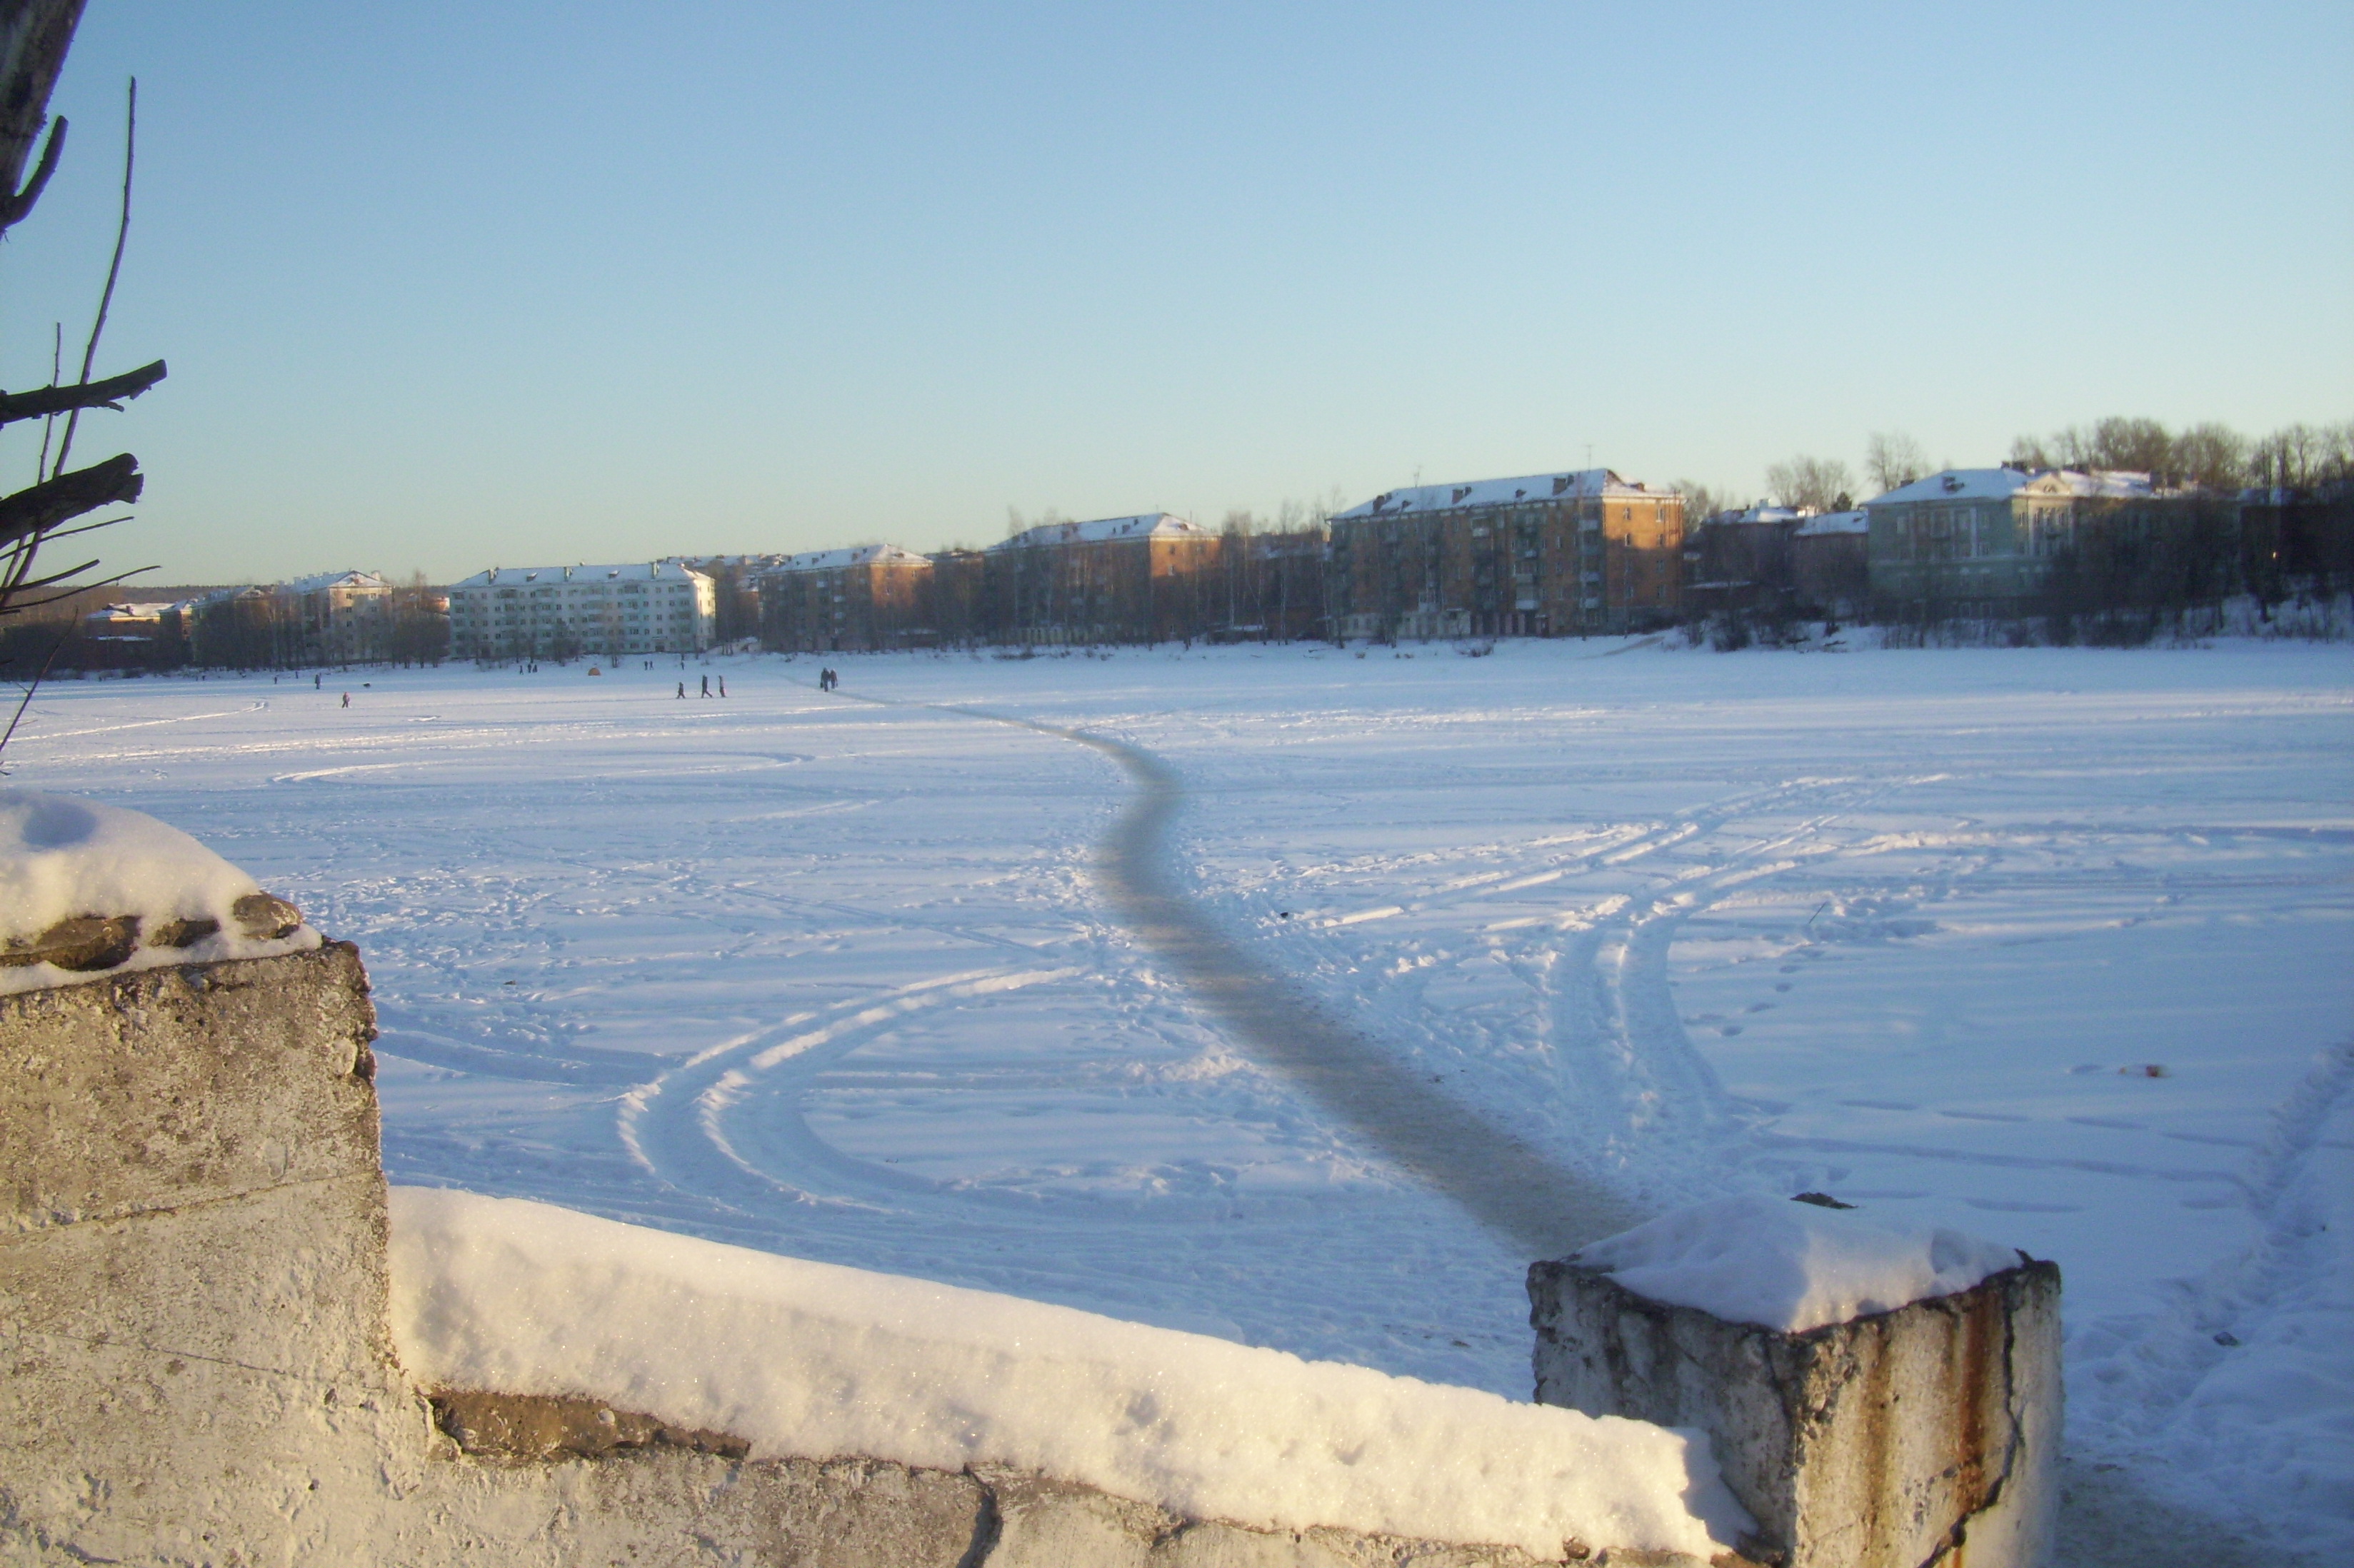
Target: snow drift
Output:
[(820, 1360), (62, 859)]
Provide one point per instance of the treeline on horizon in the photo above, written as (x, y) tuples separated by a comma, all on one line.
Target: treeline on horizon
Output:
[(2209, 456), (2121, 585)]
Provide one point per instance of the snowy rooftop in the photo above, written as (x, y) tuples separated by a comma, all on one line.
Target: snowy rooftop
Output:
[(2002, 483), (1578, 486), (635, 571), (223, 594), (859, 555), (137, 611), (1144, 526), (318, 580), (2118, 483), (1823, 523)]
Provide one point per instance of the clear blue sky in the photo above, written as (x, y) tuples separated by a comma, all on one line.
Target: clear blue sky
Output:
[(444, 285)]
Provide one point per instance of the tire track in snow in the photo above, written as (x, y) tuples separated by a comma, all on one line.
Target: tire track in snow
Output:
[(674, 1127)]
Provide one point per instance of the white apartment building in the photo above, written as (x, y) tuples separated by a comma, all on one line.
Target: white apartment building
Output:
[(336, 618), (556, 612)]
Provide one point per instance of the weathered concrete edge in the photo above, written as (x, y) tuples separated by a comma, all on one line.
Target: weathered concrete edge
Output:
[(513, 1432), (2016, 1505), (277, 1046), (323, 998)]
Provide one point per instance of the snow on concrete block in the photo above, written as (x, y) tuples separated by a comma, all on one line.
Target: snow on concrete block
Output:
[(819, 1361), (88, 889), (1877, 1397)]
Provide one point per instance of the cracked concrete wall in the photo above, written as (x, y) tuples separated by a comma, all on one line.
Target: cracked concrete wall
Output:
[(1928, 1436), (192, 1318)]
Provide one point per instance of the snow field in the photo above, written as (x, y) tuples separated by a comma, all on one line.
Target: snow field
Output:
[(815, 1360), (833, 979)]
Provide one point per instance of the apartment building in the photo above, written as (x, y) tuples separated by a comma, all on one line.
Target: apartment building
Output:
[(1546, 554), (735, 592), (557, 612), (1982, 542), (336, 618), (854, 600), (1831, 564), (1146, 578)]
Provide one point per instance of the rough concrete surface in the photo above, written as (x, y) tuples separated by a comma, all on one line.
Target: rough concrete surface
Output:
[(166, 1088), (1926, 1436), (192, 1322), (1042, 1523)]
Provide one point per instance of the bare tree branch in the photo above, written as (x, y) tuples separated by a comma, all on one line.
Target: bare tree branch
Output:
[(113, 268), (41, 507), (53, 579), (52, 537), (79, 588), (34, 38), (14, 208), (33, 686), (111, 393)]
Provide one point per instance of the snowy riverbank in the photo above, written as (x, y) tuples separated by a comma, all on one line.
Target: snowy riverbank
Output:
[(835, 980)]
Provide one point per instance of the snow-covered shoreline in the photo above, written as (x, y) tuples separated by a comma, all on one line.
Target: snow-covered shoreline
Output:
[(1908, 927)]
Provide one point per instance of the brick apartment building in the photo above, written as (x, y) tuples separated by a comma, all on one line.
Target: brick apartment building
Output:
[(1147, 578), (855, 600), (735, 592), (1547, 555)]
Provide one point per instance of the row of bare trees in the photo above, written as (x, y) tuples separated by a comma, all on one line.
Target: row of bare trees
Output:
[(2209, 456)]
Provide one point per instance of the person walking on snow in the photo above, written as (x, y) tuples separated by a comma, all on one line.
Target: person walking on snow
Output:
[(347, 699), (723, 685), (682, 690), (706, 686), (315, 681)]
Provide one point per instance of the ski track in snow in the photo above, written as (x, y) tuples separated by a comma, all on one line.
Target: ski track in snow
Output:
[(860, 982)]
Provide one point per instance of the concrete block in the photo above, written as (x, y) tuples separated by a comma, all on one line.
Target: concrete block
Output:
[(120, 1452), (288, 1280), (168, 1087), (1926, 1435), (197, 1368)]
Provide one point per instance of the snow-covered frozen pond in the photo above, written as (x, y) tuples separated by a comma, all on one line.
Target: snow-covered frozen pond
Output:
[(2055, 946)]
